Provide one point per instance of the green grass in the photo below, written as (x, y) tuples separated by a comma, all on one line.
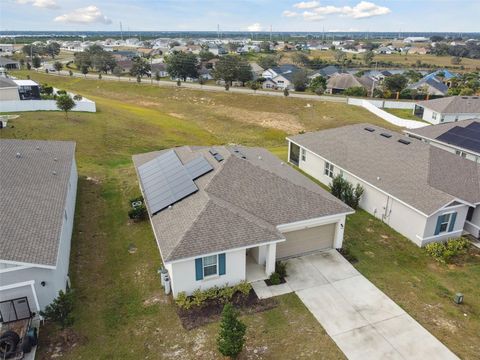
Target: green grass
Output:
[(404, 114), (120, 310)]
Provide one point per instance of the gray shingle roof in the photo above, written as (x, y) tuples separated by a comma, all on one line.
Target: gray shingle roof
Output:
[(33, 198), (454, 105), (411, 173), (345, 81), (7, 83), (239, 203), (434, 131)]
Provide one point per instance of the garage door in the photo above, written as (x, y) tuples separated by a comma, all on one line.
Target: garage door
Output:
[(307, 240)]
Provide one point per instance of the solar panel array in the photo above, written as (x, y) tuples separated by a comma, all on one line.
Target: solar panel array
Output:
[(198, 167), (165, 181), (467, 137)]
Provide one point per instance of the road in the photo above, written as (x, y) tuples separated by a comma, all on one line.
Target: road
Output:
[(196, 86)]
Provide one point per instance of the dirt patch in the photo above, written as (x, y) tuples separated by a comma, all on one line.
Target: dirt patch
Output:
[(285, 122), (446, 324), (180, 116), (61, 344), (211, 311), (155, 299)]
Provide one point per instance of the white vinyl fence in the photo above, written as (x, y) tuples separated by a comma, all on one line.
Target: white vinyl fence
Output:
[(374, 107), (43, 105)]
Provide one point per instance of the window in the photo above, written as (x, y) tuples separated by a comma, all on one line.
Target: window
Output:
[(294, 153), (444, 223), (470, 213), (303, 152), (66, 218), (434, 116), (442, 118), (210, 265), (328, 169)]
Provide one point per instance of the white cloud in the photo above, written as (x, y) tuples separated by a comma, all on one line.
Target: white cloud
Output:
[(255, 27), (88, 15), (288, 13), (49, 4), (362, 10), (306, 5)]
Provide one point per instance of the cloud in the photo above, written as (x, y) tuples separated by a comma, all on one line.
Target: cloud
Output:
[(88, 15), (362, 10), (254, 27), (48, 4), (306, 5)]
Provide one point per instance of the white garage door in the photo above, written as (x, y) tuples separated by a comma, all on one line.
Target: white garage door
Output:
[(307, 240)]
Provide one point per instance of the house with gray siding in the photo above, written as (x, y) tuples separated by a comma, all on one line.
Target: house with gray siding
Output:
[(448, 109), (425, 193), (38, 192)]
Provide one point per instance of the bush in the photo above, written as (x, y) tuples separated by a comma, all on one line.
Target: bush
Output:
[(60, 310), (444, 252), (355, 91), (61, 92), (231, 337), (281, 269), (183, 301), (345, 191), (275, 279), (139, 213), (77, 97)]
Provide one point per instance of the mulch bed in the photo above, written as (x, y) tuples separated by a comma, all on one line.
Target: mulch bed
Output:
[(269, 283), (212, 309)]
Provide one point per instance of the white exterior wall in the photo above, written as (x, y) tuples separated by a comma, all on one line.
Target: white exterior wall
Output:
[(429, 234), (428, 115), (55, 278), (379, 204), (473, 226), (9, 93), (182, 273)]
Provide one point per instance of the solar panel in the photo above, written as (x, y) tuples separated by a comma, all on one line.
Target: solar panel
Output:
[(474, 125), (404, 141), (165, 181), (465, 137), (198, 167), (213, 151), (370, 129)]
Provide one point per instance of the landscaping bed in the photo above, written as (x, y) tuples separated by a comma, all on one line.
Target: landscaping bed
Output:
[(211, 309)]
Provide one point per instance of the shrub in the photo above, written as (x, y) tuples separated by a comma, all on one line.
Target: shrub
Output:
[(443, 252), (286, 92), (244, 288), (46, 89), (60, 310), (231, 337), (281, 269), (61, 92), (226, 293), (139, 213), (343, 190), (275, 279), (77, 97), (183, 301), (199, 297)]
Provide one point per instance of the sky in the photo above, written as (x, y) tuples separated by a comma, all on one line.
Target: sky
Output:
[(242, 15)]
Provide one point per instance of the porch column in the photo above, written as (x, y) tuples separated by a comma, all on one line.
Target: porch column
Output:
[(270, 259)]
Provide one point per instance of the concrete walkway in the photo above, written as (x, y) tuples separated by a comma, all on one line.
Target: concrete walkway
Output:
[(362, 320)]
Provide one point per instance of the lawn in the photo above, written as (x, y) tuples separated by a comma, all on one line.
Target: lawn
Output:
[(120, 311), (404, 114)]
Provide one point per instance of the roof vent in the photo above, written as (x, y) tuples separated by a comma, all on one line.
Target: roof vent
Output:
[(404, 141), (218, 157), (38, 148), (213, 151), (259, 158), (379, 178), (55, 159), (388, 136), (465, 97), (54, 172), (18, 155), (369, 129)]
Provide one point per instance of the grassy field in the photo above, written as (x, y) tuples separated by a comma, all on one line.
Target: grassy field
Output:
[(120, 311)]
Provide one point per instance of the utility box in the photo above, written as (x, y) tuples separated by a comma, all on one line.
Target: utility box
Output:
[(167, 285), (163, 275), (458, 298)]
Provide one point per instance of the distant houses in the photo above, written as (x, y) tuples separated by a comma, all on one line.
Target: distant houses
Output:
[(280, 77)]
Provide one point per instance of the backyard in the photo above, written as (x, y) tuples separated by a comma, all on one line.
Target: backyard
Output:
[(120, 310)]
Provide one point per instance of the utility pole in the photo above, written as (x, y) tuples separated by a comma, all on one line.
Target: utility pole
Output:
[(270, 32), (121, 31), (218, 31)]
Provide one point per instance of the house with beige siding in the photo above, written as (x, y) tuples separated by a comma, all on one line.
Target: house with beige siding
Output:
[(224, 215), (425, 193)]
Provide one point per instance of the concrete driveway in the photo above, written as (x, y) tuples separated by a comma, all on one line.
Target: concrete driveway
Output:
[(363, 321)]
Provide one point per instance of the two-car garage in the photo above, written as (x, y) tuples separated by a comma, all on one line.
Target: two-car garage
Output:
[(299, 242)]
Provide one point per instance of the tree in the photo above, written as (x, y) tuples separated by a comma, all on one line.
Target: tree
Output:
[(395, 83), (300, 80), (340, 56), (182, 65), (29, 67), (58, 65), (65, 103), (286, 92), (265, 46), (84, 70), (355, 91), (60, 310), (300, 58), (436, 38), (413, 75), (36, 62), (157, 76), (456, 60), (254, 85), (117, 71), (267, 61), (343, 190), (52, 49), (368, 57), (206, 55), (231, 337), (244, 71), (318, 82), (140, 67), (227, 68)]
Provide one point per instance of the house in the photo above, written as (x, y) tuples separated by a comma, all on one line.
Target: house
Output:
[(28, 89), (225, 215), (340, 82), (38, 192), (8, 89), (7, 49), (257, 70), (417, 50), (205, 73), (413, 39), (160, 68), (462, 138), (430, 85), (279, 77), (385, 50), (448, 109), (9, 64), (425, 193), (326, 72)]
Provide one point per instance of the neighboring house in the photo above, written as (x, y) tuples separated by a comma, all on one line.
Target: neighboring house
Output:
[(9, 64), (326, 72), (7, 49), (417, 50), (431, 86), (280, 77), (385, 50), (449, 109), (28, 89), (38, 191), (462, 138), (160, 68), (8, 89), (413, 39), (337, 84), (423, 192), (225, 215), (205, 73), (257, 70)]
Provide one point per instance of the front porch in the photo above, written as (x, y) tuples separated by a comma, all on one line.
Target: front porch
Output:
[(260, 262)]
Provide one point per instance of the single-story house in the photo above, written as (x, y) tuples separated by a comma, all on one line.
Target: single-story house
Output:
[(160, 68), (417, 50), (9, 64), (340, 82), (8, 89), (448, 109), (38, 192), (257, 70), (7, 49), (430, 85), (462, 138), (326, 72), (280, 77), (224, 215), (425, 193)]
